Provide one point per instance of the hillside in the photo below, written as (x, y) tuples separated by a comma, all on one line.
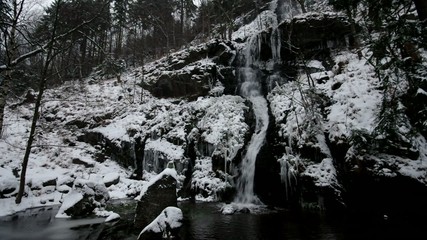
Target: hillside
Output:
[(288, 95)]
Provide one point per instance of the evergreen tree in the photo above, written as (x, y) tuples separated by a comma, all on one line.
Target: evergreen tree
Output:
[(120, 20), (85, 48)]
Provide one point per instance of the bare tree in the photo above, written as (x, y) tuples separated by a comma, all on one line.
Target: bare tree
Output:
[(49, 51), (9, 34)]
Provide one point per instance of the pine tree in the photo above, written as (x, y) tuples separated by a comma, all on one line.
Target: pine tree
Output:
[(120, 20)]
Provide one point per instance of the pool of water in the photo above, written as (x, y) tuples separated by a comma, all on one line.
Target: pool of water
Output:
[(41, 224), (204, 221)]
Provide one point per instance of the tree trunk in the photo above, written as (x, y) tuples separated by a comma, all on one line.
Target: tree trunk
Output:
[(42, 84), (421, 6), (4, 90), (11, 48), (30, 141), (182, 19), (302, 4)]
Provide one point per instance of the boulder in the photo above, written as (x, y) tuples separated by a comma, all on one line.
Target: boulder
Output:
[(193, 83), (111, 179), (122, 152), (82, 162), (166, 225), (8, 186), (314, 32), (79, 205), (158, 194), (84, 198), (192, 72)]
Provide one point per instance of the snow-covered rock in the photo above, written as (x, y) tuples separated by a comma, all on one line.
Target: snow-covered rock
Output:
[(166, 225), (84, 198), (155, 196), (111, 179)]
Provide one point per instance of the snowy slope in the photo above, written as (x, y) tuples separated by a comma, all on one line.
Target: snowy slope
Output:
[(119, 113)]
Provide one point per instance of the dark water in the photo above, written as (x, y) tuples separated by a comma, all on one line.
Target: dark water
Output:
[(41, 224), (204, 222)]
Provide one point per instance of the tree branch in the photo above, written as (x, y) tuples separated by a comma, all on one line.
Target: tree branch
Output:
[(42, 48)]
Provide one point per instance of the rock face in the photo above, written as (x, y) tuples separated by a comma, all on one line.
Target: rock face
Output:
[(158, 196), (123, 153), (322, 172), (192, 72), (314, 34)]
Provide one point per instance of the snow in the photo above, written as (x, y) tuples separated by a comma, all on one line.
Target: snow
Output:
[(170, 218), (218, 123), (167, 172), (228, 209), (262, 22), (204, 178), (355, 104), (315, 64), (324, 173), (69, 200), (172, 151), (9, 181), (421, 92), (109, 215), (223, 120), (112, 217), (8, 206), (109, 177)]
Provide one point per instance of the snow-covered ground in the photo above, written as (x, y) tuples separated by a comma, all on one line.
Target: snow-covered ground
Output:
[(352, 95), (120, 114)]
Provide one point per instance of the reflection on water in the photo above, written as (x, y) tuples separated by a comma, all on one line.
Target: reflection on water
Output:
[(41, 224), (205, 222)]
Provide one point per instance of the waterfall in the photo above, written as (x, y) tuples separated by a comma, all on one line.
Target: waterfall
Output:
[(251, 89)]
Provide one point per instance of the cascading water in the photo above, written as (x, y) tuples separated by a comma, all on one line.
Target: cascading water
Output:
[(251, 89)]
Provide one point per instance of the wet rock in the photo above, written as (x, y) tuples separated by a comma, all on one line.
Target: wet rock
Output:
[(182, 84), (161, 193), (228, 209), (245, 210)]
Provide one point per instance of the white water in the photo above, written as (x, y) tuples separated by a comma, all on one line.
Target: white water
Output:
[(251, 89)]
